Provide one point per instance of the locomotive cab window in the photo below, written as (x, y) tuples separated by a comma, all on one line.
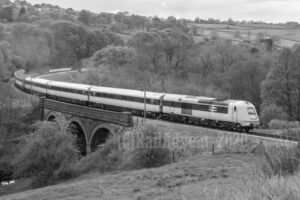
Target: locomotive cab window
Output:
[(252, 113)]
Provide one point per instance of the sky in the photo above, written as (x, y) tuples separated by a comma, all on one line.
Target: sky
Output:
[(257, 10)]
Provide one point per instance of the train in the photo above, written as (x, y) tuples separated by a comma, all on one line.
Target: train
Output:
[(227, 114)]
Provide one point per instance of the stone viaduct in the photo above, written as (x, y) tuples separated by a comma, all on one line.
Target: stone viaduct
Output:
[(91, 126)]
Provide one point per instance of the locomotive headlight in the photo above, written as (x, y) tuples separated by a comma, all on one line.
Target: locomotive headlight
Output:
[(246, 124)]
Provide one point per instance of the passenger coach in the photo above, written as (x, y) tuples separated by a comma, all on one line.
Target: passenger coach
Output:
[(126, 100)]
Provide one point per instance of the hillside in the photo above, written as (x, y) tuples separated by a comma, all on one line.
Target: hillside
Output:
[(220, 176), (197, 176)]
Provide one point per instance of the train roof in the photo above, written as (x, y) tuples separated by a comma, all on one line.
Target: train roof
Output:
[(238, 102), (193, 99), (70, 85), (127, 92), (60, 70), (40, 80)]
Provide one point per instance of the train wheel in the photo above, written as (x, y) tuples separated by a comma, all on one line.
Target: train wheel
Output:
[(238, 128)]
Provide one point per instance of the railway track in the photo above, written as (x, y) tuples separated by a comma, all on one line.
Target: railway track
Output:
[(281, 137), (251, 134)]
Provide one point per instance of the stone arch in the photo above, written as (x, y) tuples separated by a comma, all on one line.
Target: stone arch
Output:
[(99, 135), (51, 116), (76, 128)]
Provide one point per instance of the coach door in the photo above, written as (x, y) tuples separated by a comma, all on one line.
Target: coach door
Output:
[(234, 113), (172, 107)]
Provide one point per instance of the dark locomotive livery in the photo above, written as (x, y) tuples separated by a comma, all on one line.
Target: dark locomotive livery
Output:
[(230, 114)]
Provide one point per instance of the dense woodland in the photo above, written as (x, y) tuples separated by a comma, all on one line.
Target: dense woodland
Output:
[(149, 52), (152, 53)]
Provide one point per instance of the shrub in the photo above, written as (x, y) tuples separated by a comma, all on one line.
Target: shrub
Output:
[(278, 124), (283, 124), (272, 112), (151, 153), (107, 158), (294, 124), (265, 189), (148, 157), (113, 156), (47, 154), (6, 170), (280, 161)]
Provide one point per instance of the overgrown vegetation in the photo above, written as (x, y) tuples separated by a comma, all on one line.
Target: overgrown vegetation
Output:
[(283, 124), (137, 148), (47, 155), (280, 161), (50, 154)]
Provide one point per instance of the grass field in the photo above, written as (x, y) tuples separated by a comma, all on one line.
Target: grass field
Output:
[(287, 36)]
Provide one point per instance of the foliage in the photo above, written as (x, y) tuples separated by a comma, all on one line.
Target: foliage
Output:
[(107, 158), (70, 42), (283, 124), (114, 56), (84, 17), (151, 151), (272, 112), (114, 154), (119, 28), (281, 86), (32, 47), (6, 14), (47, 154), (6, 170), (280, 161), (243, 79)]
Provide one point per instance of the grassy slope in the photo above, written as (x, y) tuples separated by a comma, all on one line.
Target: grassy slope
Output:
[(186, 178)]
